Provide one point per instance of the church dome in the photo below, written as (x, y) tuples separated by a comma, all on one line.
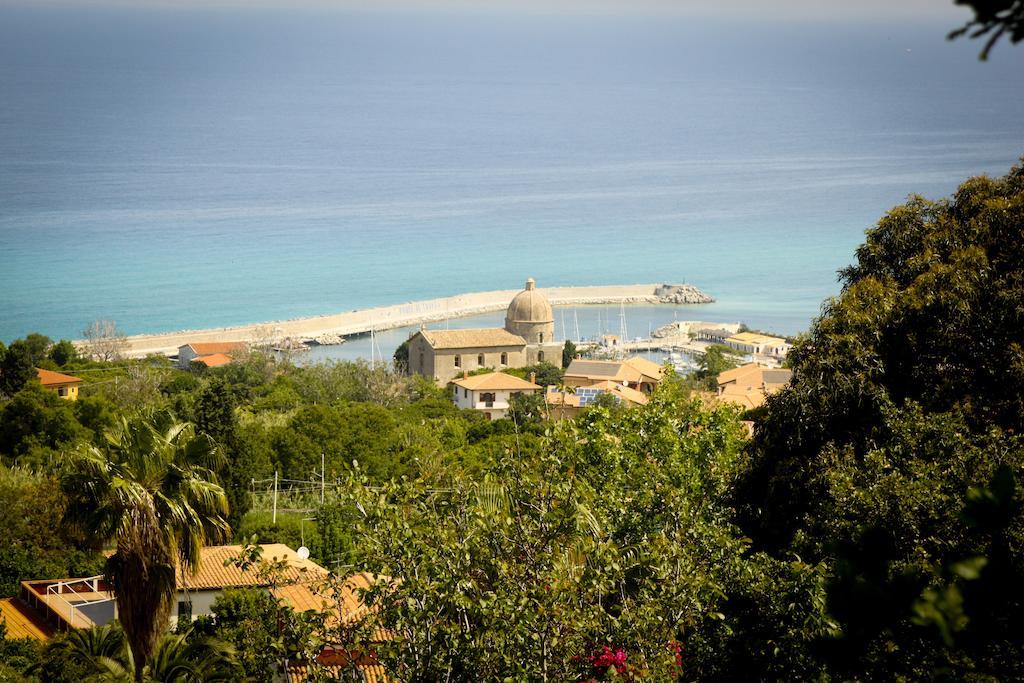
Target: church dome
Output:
[(529, 306)]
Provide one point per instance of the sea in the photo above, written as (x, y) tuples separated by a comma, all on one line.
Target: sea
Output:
[(182, 168)]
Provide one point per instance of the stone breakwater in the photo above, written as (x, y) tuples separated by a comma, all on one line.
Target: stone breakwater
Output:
[(681, 294), (413, 313)]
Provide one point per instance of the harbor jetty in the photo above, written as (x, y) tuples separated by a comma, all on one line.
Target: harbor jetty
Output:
[(338, 326)]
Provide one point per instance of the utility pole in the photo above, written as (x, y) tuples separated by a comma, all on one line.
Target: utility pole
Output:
[(323, 477), (275, 497)]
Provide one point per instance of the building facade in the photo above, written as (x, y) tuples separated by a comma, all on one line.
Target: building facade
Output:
[(527, 338), (635, 373), (490, 393), (210, 354), (65, 386)]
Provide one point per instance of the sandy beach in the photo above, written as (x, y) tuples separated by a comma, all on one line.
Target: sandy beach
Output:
[(388, 317)]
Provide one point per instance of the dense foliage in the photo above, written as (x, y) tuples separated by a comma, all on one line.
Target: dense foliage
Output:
[(895, 455)]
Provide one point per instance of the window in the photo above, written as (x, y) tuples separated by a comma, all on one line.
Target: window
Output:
[(487, 398), (458, 361), (185, 609), (541, 337), (465, 393), (504, 359), (421, 361), (62, 391), (540, 356), (480, 360)]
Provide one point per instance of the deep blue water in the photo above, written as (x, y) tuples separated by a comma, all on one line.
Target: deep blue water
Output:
[(189, 169)]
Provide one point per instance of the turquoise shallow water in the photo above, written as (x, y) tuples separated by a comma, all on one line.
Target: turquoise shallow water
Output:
[(196, 169)]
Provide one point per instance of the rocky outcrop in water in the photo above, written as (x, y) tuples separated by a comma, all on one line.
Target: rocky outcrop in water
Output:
[(681, 294), (327, 340), (670, 330)]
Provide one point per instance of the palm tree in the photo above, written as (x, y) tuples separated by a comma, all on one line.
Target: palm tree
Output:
[(149, 487), (92, 649), (178, 658)]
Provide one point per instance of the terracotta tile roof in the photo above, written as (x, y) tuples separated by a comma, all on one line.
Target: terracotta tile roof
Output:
[(471, 338), (214, 360), (496, 381), (741, 374), (212, 573), (753, 376), (603, 369), (208, 348), (372, 673), (318, 595), (625, 393), (647, 367), (49, 378), (745, 398), (22, 621)]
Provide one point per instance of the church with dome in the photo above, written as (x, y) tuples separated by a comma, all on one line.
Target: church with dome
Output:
[(527, 338)]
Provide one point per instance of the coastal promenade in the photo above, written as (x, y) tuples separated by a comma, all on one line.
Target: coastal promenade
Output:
[(389, 317)]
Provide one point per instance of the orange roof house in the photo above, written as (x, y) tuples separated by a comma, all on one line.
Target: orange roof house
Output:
[(214, 360), (636, 373), (66, 386), (749, 385), (46, 606), (490, 393), (566, 405), (210, 354)]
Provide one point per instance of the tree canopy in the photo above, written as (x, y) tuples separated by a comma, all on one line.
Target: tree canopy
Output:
[(904, 414)]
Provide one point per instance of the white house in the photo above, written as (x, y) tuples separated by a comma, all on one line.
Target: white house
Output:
[(490, 393), (211, 354)]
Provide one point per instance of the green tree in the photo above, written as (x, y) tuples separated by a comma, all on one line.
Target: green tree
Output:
[(215, 416), (905, 397), (527, 408), (16, 368), (38, 346), (544, 373), (63, 352), (149, 487), (36, 422), (248, 619), (716, 360), (610, 532), (36, 545), (568, 353), (401, 356), (100, 654)]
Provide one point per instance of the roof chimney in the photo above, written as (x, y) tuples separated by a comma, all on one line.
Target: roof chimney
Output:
[(530, 284), (465, 374), (533, 378)]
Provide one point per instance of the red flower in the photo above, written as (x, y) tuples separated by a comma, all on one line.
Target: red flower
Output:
[(607, 658)]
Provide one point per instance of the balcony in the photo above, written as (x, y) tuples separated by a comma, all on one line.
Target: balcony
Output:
[(491, 405)]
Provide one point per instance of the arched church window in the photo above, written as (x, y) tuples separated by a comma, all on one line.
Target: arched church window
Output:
[(541, 337), (540, 356), (504, 359)]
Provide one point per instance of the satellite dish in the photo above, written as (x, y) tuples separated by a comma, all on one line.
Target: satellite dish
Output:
[(302, 552)]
